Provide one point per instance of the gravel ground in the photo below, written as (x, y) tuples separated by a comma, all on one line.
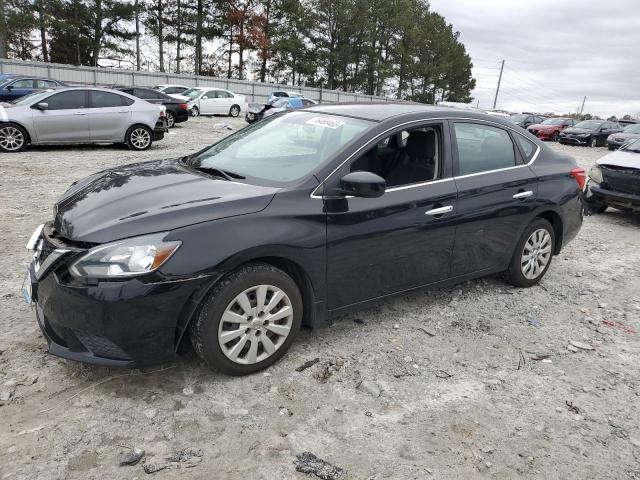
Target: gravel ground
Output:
[(476, 381)]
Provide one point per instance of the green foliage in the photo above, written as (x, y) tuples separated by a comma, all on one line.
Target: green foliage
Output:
[(379, 47)]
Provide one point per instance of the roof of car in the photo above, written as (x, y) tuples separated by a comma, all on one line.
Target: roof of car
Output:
[(379, 112)]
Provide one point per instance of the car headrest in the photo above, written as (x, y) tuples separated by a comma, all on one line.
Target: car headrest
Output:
[(421, 144)]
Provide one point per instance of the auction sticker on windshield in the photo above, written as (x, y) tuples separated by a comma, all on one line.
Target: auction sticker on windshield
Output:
[(325, 122)]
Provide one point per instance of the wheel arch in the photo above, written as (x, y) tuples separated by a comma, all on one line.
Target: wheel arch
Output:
[(555, 220), (291, 267)]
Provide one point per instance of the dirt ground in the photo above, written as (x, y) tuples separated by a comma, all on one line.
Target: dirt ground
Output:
[(476, 381)]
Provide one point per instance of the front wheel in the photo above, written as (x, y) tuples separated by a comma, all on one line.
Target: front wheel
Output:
[(248, 321), (139, 138), (533, 254), (171, 120), (234, 111), (195, 112), (13, 138), (593, 143), (556, 136)]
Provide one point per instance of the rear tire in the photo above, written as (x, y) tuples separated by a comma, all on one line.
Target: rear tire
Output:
[(533, 254), (234, 111), (139, 138), (237, 331), (593, 142), (195, 112), (13, 138), (171, 120)]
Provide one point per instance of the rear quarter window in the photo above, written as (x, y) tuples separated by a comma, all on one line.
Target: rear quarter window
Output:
[(527, 147)]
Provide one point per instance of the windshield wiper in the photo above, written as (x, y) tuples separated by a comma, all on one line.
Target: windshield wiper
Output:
[(216, 172)]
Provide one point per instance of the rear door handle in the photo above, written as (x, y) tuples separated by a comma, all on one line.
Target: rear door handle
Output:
[(521, 195), (123, 111), (439, 211), (79, 113)]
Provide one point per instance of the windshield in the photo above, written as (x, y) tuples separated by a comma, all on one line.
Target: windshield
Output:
[(632, 147), (518, 118), (192, 93), (31, 97), (279, 94), (589, 124), (632, 129), (282, 148), (553, 121)]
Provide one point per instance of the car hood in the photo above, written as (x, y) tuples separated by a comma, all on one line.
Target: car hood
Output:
[(626, 136), (620, 158), (150, 197), (539, 126), (575, 130)]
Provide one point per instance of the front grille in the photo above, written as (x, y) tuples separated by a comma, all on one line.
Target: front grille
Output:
[(45, 249), (623, 180)]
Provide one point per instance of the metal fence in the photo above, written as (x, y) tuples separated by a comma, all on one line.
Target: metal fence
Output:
[(254, 91)]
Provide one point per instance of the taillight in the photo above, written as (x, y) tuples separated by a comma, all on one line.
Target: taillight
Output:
[(163, 114), (580, 176), (183, 106)]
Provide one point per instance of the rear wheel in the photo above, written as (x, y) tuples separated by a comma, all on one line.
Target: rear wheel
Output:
[(13, 138), (533, 254), (195, 112), (248, 321), (171, 120), (593, 142), (234, 111), (139, 137)]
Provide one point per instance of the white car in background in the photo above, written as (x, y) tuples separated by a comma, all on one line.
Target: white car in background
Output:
[(213, 101), (171, 90)]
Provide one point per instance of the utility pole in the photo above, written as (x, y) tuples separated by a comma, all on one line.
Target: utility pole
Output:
[(582, 107), (137, 8), (495, 100)]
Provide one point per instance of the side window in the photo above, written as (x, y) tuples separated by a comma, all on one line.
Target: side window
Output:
[(405, 157), (482, 148), (45, 84), (71, 99), (25, 83), (223, 94), (173, 90), (106, 99), (528, 148)]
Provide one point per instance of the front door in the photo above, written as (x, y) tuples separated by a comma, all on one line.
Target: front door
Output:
[(208, 105), (403, 239), (65, 120), (496, 193)]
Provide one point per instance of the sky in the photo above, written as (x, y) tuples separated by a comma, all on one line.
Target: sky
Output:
[(556, 52)]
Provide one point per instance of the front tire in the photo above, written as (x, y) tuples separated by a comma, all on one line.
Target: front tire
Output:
[(13, 138), (248, 321), (195, 112), (593, 143), (533, 254), (139, 137)]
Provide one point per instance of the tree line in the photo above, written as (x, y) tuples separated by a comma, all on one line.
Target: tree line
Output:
[(376, 47)]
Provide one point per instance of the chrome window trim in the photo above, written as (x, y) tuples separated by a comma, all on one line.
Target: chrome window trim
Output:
[(404, 187)]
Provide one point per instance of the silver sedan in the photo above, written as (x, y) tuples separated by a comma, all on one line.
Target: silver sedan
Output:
[(80, 115)]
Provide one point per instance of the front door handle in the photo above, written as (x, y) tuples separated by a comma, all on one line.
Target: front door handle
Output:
[(521, 195), (439, 211), (79, 113)]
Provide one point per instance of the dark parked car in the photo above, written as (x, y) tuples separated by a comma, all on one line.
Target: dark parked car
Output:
[(288, 221), (550, 129), (526, 119), (177, 111), (628, 134), (593, 133), (13, 87), (614, 181)]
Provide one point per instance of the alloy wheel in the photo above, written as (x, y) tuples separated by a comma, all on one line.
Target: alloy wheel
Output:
[(536, 254), (594, 142), (195, 112), (255, 324), (140, 138), (235, 111), (171, 120), (11, 139)]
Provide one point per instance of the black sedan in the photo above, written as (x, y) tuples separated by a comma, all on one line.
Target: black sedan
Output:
[(177, 111), (593, 133), (289, 221)]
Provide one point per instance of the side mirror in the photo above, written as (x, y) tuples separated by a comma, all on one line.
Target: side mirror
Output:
[(42, 106), (9, 87), (362, 184)]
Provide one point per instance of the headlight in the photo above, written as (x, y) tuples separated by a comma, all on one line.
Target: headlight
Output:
[(125, 258), (595, 174)]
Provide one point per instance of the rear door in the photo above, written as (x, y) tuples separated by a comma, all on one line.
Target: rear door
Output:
[(66, 119), (109, 116), (496, 193), (403, 239), (208, 102)]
